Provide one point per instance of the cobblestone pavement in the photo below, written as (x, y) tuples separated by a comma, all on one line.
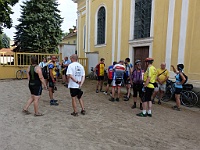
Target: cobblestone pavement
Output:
[(106, 126)]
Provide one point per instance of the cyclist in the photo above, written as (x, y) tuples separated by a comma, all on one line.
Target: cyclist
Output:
[(76, 75), (110, 76), (162, 76), (180, 79), (137, 82), (149, 80), (119, 70), (36, 79), (44, 65), (99, 70), (127, 78), (66, 64), (52, 80)]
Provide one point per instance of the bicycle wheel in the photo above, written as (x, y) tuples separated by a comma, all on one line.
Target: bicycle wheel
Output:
[(91, 76), (19, 75), (188, 98), (193, 97)]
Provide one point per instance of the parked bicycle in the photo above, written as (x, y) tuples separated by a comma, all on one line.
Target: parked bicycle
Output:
[(187, 96), (21, 73), (92, 75)]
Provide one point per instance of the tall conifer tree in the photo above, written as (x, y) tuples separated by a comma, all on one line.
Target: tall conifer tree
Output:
[(39, 29)]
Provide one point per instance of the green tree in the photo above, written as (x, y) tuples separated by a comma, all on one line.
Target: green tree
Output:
[(5, 41), (39, 29), (5, 11), (1, 45)]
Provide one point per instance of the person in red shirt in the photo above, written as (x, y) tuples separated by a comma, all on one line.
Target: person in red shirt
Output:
[(110, 77), (119, 70), (99, 70)]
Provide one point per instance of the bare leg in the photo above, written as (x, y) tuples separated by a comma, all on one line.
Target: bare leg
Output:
[(113, 92), (97, 87), (36, 100), (31, 99), (63, 79), (161, 94), (128, 90), (118, 91), (81, 103), (135, 99), (101, 84), (50, 93), (178, 102), (154, 94), (107, 88), (144, 105), (149, 105), (74, 104)]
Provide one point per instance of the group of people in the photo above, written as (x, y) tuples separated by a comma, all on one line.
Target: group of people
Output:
[(147, 84), (75, 75)]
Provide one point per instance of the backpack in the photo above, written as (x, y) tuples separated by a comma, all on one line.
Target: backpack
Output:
[(44, 71), (119, 76), (186, 78)]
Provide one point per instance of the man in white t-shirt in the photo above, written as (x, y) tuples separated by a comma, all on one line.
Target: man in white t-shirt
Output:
[(76, 75)]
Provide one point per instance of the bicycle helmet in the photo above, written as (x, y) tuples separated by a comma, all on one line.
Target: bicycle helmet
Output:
[(137, 61), (149, 59)]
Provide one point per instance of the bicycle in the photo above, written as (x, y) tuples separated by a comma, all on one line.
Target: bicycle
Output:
[(92, 75), (187, 96), (20, 74)]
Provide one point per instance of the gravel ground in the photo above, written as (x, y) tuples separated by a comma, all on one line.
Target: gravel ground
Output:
[(106, 125)]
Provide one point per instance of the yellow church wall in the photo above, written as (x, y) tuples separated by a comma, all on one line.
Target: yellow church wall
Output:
[(103, 50), (176, 33), (116, 29), (192, 50), (160, 31), (80, 35), (125, 29)]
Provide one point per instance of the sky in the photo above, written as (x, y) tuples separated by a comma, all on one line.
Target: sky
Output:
[(68, 12)]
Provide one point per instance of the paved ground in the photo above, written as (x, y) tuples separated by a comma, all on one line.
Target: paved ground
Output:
[(106, 126)]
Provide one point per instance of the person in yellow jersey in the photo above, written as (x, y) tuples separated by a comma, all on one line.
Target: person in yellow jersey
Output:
[(99, 72), (52, 79), (162, 76), (148, 88)]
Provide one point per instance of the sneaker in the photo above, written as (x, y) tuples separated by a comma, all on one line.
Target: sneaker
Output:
[(134, 106), (117, 99), (126, 99), (54, 102), (74, 114), (101, 90), (141, 115), (83, 112), (153, 102), (105, 93), (112, 99), (150, 115), (159, 102), (176, 108), (97, 91)]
